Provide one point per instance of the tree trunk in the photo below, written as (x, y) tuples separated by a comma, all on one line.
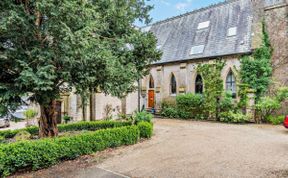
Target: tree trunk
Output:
[(48, 120)]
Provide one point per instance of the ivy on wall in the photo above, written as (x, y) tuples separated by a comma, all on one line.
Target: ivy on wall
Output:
[(213, 85), (256, 69)]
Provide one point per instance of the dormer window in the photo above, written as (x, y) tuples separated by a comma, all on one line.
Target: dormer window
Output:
[(197, 49), (232, 31), (203, 25)]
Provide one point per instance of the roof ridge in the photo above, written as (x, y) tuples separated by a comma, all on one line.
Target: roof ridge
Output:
[(193, 11)]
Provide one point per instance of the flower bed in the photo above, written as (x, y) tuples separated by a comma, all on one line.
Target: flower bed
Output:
[(37, 154)]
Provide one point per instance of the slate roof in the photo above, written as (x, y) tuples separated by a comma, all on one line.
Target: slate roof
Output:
[(176, 36)]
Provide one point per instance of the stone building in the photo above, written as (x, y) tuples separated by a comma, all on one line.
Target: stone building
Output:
[(227, 30)]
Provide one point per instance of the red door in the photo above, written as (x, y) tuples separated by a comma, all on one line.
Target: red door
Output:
[(151, 98)]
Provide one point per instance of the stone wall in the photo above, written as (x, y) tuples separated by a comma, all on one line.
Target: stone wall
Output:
[(185, 74)]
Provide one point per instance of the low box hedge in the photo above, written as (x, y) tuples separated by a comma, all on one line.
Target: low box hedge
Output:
[(91, 126), (37, 154)]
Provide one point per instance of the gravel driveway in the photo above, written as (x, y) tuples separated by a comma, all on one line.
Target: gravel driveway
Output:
[(205, 149), (181, 149)]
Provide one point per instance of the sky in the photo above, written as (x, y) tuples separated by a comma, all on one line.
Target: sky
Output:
[(164, 9)]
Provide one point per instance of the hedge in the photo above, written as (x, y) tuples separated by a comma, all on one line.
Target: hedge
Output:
[(146, 129), (91, 126), (37, 154)]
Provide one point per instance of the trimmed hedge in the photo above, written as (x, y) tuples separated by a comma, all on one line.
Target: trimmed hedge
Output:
[(43, 153), (91, 126), (146, 129)]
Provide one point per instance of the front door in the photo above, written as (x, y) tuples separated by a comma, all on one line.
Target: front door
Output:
[(151, 98), (58, 111)]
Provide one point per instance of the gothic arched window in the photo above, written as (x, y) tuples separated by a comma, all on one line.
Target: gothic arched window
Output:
[(231, 83), (151, 82), (199, 84), (173, 84)]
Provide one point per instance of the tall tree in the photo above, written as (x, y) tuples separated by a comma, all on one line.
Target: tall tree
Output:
[(48, 47)]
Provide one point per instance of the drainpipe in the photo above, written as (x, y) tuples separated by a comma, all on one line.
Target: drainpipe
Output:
[(139, 95)]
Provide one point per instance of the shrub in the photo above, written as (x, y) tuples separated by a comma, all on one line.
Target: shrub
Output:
[(67, 118), (266, 107), (232, 117), (227, 103), (169, 112), (276, 120), (168, 102), (2, 139), (30, 113), (143, 116), (46, 152), (189, 105), (146, 129), (92, 126), (22, 135)]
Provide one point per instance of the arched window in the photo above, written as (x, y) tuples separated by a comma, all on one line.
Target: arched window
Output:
[(173, 85), (231, 83), (151, 82), (199, 84)]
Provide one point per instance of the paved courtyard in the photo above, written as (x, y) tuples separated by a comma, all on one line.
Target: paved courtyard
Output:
[(196, 149)]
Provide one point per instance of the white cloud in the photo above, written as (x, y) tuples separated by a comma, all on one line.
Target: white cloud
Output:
[(182, 6), (165, 2)]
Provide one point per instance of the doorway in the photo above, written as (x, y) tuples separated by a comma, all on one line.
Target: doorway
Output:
[(151, 98)]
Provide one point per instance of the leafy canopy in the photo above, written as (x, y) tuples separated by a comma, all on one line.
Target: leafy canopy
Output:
[(47, 47)]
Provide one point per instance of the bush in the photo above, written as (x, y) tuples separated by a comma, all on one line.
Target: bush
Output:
[(92, 126), (169, 112), (146, 129), (23, 135), (232, 117), (189, 105), (227, 103), (46, 152), (168, 102), (276, 120), (266, 107), (143, 116)]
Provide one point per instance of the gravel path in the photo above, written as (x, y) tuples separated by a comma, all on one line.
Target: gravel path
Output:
[(188, 149), (205, 149)]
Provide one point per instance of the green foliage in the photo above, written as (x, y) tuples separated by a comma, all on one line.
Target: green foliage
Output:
[(168, 102), (213, 84), (143, 116), (276, 120), (30, 113), (189, 105), (256, 70), (170, 112), (92, 126), (46, 152), (227, 103), (266, 107), (233, 117), (82, 44), (2, 139), (243, 90), (146, 129), (22, 135), (282, 94), (67, 118)]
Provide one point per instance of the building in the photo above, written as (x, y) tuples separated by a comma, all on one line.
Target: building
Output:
[(227, 30)]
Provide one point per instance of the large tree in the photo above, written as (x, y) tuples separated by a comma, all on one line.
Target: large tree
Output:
[(48, 47)]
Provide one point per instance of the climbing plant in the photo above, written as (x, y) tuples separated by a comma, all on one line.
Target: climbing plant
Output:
[(213, 85), (256, 69)]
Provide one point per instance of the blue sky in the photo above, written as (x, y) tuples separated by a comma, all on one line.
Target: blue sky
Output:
[(168, 8)]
